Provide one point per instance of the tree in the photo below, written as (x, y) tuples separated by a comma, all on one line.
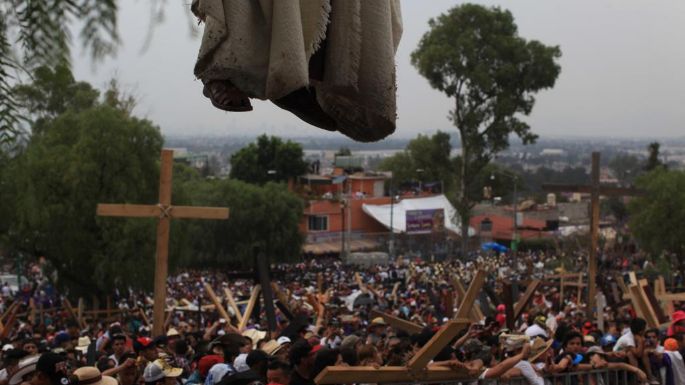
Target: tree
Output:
[(264, 218), (343, 151), (268, 160), (626, 167), (43, 29), (653, 161), (656, 219), (426, 159), (82, 156), (475, 55)]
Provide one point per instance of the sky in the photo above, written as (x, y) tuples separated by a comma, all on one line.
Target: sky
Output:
[(622, 71)]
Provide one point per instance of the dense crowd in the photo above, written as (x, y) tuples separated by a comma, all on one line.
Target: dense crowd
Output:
[(327, 320)]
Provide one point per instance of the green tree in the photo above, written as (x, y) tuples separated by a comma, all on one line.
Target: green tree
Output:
[(626, 167), (426, 159), (80, 157), (264, 218), (656, 219), (475, 55), (38, 32), (269, 160), (653, 160), (343, 151)]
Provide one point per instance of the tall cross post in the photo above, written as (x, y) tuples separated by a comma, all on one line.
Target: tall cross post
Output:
[(164, 212), (596, 190)]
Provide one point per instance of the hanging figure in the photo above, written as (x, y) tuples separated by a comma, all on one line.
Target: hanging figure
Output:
[(330, 62)]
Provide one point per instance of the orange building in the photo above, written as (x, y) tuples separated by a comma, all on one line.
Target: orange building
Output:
[(326, 221)]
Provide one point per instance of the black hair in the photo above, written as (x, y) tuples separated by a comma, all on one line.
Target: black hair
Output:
[(280, 365), (637, 325), (570, 336), (349, 356), (118, 337), (298, 351), (324, 358), (181, 347), (255, 357)]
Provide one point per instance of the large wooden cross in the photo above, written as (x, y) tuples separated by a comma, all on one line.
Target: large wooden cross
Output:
[(595, 189), (417, 369), (164, 211)]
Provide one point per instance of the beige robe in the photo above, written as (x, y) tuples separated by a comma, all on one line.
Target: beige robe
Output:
[(264, 48)]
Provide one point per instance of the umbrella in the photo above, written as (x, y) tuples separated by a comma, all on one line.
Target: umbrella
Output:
[(493, 246)]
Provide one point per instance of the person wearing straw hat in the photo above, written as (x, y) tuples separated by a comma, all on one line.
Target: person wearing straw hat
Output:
[(25, 370), (160, 372), (513, 345), (90, 375)]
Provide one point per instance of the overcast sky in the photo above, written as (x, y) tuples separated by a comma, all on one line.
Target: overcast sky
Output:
[(622, 71)]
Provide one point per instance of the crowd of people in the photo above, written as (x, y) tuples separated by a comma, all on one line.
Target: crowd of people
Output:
[(327, 320)]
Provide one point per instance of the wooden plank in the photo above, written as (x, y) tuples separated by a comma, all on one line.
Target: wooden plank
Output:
[(67, 305), (387, 374), (633, 278), (217, 303), (476, 314), (143, 316), (193, 212), (231, 302), (451, 329), (435, 345), (508, 301), (654, 303), (398, 323), (80, 308), (250, 306), (642, 306), (471, 295), (527, 297), (162, 254), (680, 297), (280, 296), (127, 210)]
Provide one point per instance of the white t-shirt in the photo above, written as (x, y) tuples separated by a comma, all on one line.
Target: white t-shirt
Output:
[(626, 341), (529, 373), (678, 367)]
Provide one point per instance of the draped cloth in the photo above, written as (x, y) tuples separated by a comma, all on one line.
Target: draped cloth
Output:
[(331, 62)]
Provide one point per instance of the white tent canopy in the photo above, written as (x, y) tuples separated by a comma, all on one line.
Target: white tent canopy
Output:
[(381, 213)]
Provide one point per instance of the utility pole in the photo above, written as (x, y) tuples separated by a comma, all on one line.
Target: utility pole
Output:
[(392, 225)]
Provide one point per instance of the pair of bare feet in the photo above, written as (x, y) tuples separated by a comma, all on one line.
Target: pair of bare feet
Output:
[(225, 96)]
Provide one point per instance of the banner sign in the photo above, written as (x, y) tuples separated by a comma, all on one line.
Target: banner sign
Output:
[(425, 221)]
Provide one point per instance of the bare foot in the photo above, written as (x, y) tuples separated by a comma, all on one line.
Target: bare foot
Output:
[(225, 96)]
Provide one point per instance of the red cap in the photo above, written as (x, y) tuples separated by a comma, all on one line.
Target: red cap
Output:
[(315, 349), (587, 325), (207, 362)]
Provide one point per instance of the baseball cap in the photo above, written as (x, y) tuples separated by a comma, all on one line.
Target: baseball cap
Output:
[(54, 366), (607, 340), (142, 343), (283, 340), (159, 369), (207, 362)]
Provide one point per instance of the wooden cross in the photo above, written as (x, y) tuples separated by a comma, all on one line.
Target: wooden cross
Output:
[(164, 211), (416, 370), (596, 190)]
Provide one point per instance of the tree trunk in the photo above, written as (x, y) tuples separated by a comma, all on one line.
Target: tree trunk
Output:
[(463, 208)]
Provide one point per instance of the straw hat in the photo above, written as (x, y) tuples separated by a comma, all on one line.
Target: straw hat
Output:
[(26, 366), (271, 347), (83, 344), (254, 335), (538, 348), (90, 375)]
